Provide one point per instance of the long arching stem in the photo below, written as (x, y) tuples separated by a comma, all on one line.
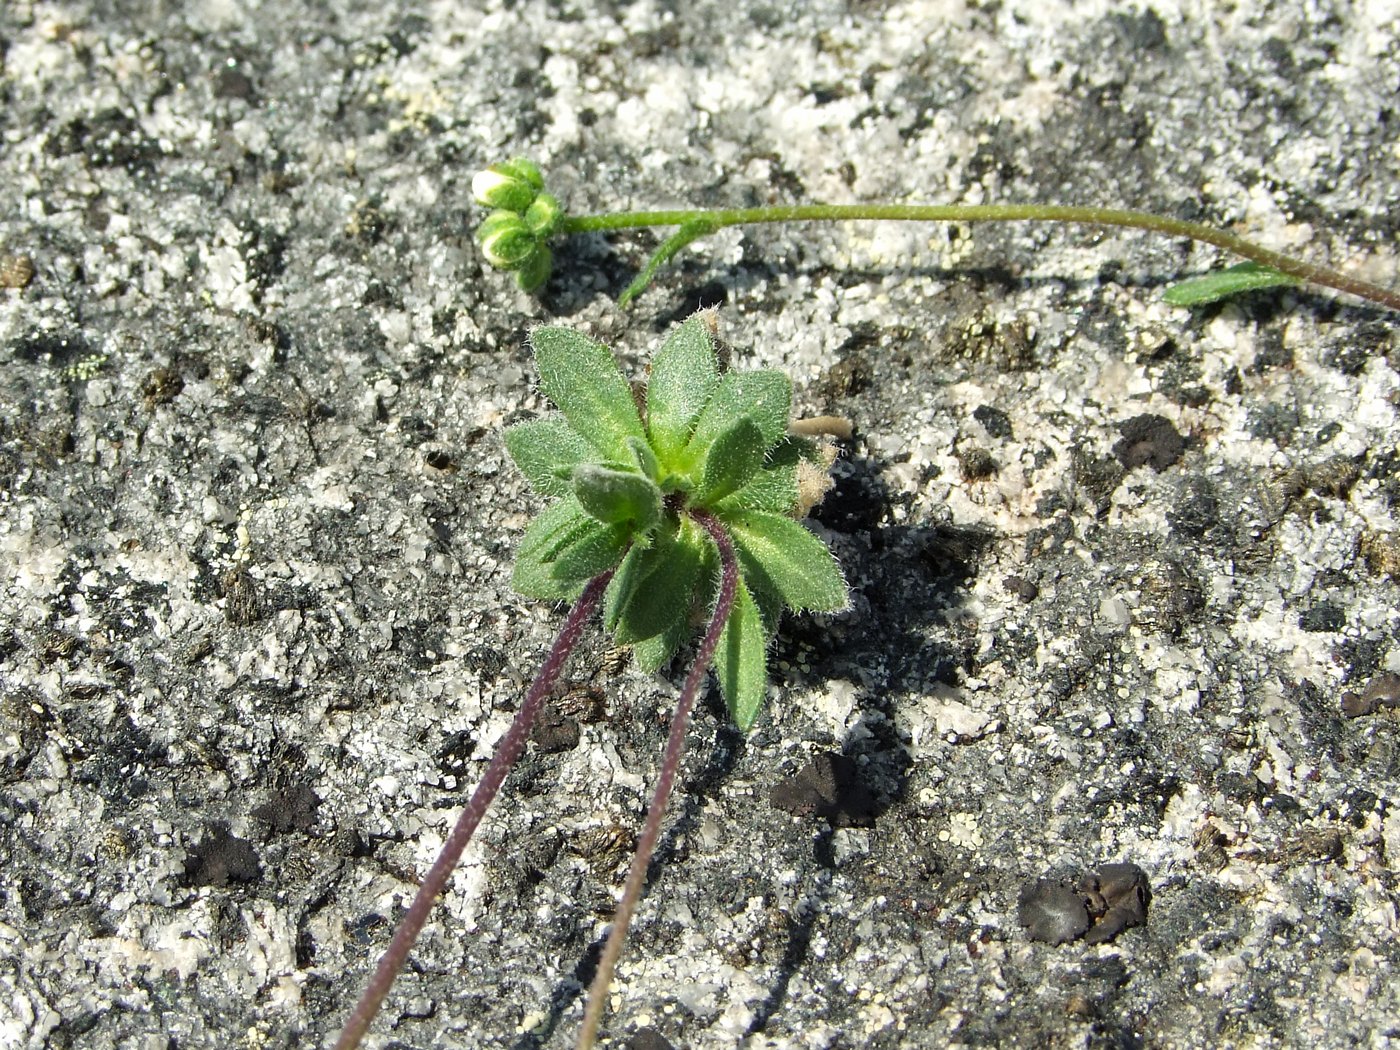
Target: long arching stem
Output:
[(701, 222), (507, 751), (670, 766)]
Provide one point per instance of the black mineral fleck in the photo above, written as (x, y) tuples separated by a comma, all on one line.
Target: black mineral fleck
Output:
[(290, 809), (1149, 439), (996, 422), (1023, 588), (828, 787), (1096, 477), (1321, 618), (648, 1039), (221, 857), (1196, 512), (1106, 902)]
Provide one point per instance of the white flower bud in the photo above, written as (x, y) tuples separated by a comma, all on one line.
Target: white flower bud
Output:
[(505, 240), (500, 187), (544, 215)]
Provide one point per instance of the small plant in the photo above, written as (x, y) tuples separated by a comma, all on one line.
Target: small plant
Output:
[(677, 502), (676, 498), (516, 235)]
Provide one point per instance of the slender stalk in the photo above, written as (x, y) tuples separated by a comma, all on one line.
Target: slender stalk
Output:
[(670, 766), (1140, 220), (507, 751)]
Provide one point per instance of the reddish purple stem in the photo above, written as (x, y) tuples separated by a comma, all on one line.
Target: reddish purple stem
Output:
[(670, 766), (507, 751)]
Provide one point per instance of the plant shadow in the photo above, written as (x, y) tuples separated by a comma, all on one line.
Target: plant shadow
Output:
[(911, 586)]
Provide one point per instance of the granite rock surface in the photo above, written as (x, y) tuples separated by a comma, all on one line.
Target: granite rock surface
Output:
[(1121, 572)]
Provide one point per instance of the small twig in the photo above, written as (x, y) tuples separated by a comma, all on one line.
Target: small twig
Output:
[(839, 427)]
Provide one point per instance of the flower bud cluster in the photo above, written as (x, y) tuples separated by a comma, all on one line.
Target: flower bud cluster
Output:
[(515, 236)]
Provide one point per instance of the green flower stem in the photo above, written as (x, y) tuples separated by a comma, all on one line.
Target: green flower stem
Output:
[(507, 751), (719, 218), (670, 766)]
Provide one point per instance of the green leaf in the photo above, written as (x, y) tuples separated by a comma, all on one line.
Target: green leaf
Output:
[(551, 530), (654, 587), (627, 580), (559, 525), (732, 459), (534, 580), (546, 451), (684, 373), (617, 496), (741, 661), (765, 396), (651, 654), (591, 553), (1242, 277), (774, 488), (781, 556), (770, 605), (581, 377), (563, 547), (644, 458)]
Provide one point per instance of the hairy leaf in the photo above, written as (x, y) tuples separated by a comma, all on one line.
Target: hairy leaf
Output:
[(565, 546), (643, 458), (741, 661), (733, 458), (546, 451), (630, 575), (654, 587), (591, 553), (774, 488), (764, 396), (617, 496), (534, 579), (581, 377), (559, 525), (1242, 277), (684, 374), (651, 654), (780, 556)]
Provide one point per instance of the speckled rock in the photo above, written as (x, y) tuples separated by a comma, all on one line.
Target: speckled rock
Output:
[(256, 524)]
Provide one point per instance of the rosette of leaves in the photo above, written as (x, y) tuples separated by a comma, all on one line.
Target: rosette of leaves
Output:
[(631, 469)]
